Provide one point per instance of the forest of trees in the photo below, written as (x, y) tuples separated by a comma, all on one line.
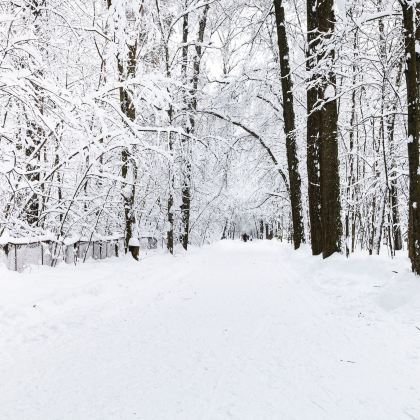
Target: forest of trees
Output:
[(194, 120)]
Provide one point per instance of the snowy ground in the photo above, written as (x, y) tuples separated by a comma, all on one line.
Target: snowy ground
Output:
[(231, 331)]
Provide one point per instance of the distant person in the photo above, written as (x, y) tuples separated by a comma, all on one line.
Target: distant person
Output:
[(245, 237)]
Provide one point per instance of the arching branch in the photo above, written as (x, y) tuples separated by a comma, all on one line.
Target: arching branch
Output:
[(253, 134)]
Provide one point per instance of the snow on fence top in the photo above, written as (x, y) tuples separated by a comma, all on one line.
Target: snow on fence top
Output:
[(18, 253)]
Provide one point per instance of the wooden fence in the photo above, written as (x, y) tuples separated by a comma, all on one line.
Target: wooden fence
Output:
[(19, 254)]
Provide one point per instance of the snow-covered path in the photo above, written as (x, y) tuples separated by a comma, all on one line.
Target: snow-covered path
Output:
[(230, 331)]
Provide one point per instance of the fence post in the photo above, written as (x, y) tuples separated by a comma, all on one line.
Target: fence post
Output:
[(107, 248)]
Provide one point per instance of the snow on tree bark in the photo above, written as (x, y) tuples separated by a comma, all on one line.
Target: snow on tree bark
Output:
[(289, 126)]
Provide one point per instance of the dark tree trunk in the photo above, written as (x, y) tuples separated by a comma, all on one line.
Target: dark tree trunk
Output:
[(186, 143), (170, 232), (411, 21), (289, 126), (313, 127), (170, 202), (35, 134), (128, 163), (192, 109), (225, 228), (328, 119), (396, 228), (393, 191), (127, 70)]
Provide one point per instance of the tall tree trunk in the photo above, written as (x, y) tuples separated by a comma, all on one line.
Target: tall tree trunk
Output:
[(411, 20), (170, 112), (350, 175), (191, 102), (313, 127), (35, 132), (379, 226), (170, 231), (393, 191), (388, 127), (350, 218), (127, 70), (289, 126), (328, 119), (350, 193), (129, 169), (185, 140)]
